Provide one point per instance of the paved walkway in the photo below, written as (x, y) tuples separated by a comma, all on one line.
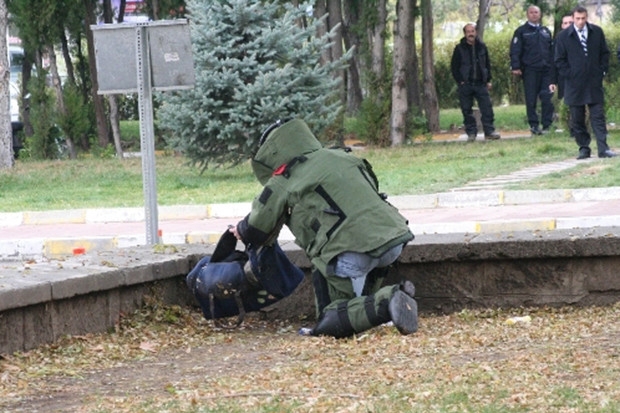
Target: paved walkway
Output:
[(525, 174), (478, 207), (61, 232)]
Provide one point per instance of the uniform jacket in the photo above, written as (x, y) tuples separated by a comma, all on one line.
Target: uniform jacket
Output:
[(462, 61), (583, 75), (531, 48), (328, 199)]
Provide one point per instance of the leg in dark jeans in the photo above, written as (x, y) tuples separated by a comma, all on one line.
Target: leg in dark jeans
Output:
[(486, 109), (466, 100), (599, 126)]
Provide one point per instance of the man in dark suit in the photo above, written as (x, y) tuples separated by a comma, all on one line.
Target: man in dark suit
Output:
[(582, 59)]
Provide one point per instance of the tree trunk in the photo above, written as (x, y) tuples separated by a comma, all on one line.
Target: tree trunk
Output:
[(66, 55), (24, 110), (121, 11), (334, 18), (114, 121), (414, 90), (84, 83), (483, 15), (60, 102), (112, 101), (402, 39), (320, 10), (431, 102), (6, 136), (108, 14), (351, 20), (154, 9), (98, 103), (376, 40)]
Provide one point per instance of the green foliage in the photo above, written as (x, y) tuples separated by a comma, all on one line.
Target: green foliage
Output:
[(506, 88), (130, 135), (444, 82), (370, 124), (128, 107), (255, 63), (615, 10), (106, 152), (75, 122), (417, 124), (43, 142)]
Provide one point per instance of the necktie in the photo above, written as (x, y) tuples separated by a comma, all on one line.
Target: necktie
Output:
[(584, 41)]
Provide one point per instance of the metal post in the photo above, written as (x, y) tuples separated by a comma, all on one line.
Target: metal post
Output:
[(147, 134)]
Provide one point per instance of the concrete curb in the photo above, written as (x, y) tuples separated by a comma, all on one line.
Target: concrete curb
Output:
[(58, 247), (498, 198), (16, 249), (240, 209)]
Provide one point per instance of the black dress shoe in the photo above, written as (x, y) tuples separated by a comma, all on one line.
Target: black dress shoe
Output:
[(583, 154), (536, 131), (607, 154)]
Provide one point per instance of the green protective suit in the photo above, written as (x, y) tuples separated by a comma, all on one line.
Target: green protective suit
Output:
[(329, 199)]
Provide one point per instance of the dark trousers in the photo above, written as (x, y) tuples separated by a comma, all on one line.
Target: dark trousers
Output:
[(597, 122), (479, 91), (535, 86)]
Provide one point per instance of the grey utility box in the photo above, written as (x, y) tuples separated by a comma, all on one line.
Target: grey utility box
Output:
[(169, 47)]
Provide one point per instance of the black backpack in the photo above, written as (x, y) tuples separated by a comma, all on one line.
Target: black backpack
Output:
[(232, 282)]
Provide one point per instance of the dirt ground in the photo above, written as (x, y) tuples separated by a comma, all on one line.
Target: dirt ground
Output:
[(147, 377), (558, 360)]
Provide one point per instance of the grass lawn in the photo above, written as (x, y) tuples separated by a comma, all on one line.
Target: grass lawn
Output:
[(169, 359), (418, 168)]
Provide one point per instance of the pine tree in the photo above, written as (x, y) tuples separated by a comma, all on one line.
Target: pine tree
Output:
[(255, 63)]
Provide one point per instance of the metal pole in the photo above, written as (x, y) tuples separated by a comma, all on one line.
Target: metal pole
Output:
[(147, 134)]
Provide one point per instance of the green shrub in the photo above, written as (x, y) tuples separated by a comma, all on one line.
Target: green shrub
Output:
[(371, 124), (43, 142), (75, 122)]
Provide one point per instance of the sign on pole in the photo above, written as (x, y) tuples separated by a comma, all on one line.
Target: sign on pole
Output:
[(140, 58)]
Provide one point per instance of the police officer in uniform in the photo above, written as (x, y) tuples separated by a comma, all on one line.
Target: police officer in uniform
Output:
[(329, 200), (531, 57)]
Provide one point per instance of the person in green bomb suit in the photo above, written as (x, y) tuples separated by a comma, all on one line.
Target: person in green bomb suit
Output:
[(329, 199)]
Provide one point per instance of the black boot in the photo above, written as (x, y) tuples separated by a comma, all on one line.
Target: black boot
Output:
[(403, 308), (335, 323)]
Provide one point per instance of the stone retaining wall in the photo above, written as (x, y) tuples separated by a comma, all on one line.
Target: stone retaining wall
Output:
[(42, 301)]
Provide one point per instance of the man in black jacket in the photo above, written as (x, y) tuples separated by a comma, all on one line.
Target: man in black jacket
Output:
[(471, 70), (531, 57), (582, 59)]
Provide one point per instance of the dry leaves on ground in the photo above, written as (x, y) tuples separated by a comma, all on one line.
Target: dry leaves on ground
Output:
[(170, 359)]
